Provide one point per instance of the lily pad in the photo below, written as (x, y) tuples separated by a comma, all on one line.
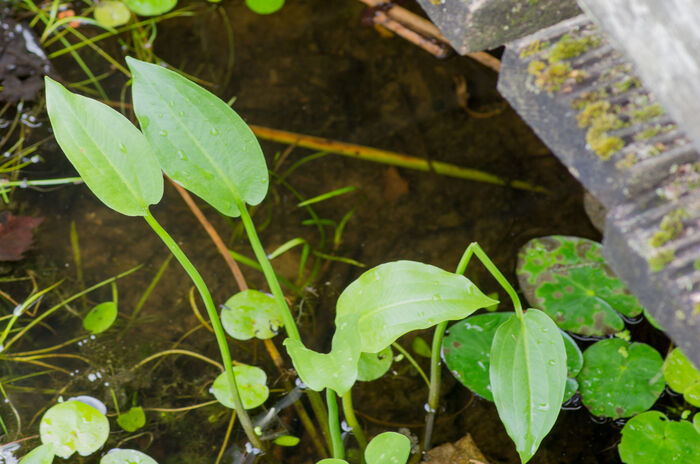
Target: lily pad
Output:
[(567, 277), (374, 365), (126, 456), (388, 448), (264, 7), (651, 438), (112, 13), (251, 382), (620, 379), (101, 317), (73, 426), (682, 376), (249, 314), (132, 420), (466, 350), (42, 454), (150, 7), (332, 461)]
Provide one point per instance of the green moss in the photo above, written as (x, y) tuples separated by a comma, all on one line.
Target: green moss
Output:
[(627, 162), (591, 112), (660, 259), (648, 133), (570, 47), (604, 145), (601, 117), (696, 264), (627, 84), (589, 97), (647, 113), (536, 67), (553, 76), (696, 309), (671, 227), (533, 47)]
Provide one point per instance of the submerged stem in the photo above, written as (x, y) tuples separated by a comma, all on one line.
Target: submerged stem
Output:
[(349, 413), (334, 425), (215, 322)]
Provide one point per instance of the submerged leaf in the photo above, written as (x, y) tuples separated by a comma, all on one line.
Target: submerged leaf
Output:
[(126, 456), (251, 382), (528, 378), (249, 314), (42, 454), (374, 365), (16, 235), (101, 317), (112, 13), (388, 448), (264, 7), (651, 438), (73, 426), (620, 379), (132, 420), (682, 376), (567, 277), (200, 141), (111, 155), (150, 7)]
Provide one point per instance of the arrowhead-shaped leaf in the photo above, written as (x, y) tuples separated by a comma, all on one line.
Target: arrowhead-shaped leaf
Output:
[(528, 377), (114, 159), (200, 141)]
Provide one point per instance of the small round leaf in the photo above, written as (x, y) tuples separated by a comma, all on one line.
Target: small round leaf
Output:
[(620, 379), (332, 461), (682, 376), (112, 13), (251, 382), (42, 454), (249, 314), (651, 438), (101, 317), (126, 456), (150, 7), (264, 7), (388, 448), (73, 426), (132, 420), (374, 365), (286, 440)]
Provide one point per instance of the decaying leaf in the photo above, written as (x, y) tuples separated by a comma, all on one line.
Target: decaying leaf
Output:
[(16, 235)]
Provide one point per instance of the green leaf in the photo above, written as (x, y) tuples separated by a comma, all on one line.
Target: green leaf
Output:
[(251, 382), (620, 379), (101, 317), (332, 461), (286, 440), (112, 13), (42, 454), (696, 421), (466, 350), (651, 438), (421, 347), (374, 365), (264, 7), (132, 420), (571, 389), (126, 456), (682, 376), (150, 7), (73, 426), (200, 141), (567, 277), (383, 304), (528, 378), (574, 357), (114, 159), (249, 314), (388, 448)]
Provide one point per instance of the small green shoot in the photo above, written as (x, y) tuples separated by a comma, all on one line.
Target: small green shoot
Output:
[(126, 456), (421, 347), (132, 420), (652, 437), (682, 376), (73, 426), (251, 383), (101, 317), (249, 314)]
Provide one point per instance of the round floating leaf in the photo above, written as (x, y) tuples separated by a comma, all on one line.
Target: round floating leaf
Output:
[(150, 7), (421, 347), (264, 7), (620, 379), (101, 317), (112, 13), (651, 438), (42, 454), (374, 365), (528, 378), (249, 314), (73, 426), (466, 350), (332, 461), (126, 456), (388, 448), (132, 420), (251, 382), (567, 277), (286, 440), (682, 376), (696, 421)]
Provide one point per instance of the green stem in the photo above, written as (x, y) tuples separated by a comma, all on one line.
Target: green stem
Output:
[(349, 413), (435, 370), (334, 425), (412, 361), (215, 322)]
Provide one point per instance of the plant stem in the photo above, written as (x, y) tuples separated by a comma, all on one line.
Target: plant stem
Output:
[(349, 413), (334, 425), (435, 364), (215, 322)]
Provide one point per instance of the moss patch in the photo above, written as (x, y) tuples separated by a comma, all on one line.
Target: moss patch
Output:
[(569, 47), (660, 259), (671, 227)]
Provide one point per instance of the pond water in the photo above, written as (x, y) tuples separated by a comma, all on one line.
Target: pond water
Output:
[(312, 68)]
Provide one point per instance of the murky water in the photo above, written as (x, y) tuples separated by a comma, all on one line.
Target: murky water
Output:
[(315, 69)]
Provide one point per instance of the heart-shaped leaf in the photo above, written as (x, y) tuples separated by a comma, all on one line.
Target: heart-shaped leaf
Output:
[(528, 378), (101, 317), (200, 141), (111, 155), (651, 438), (682, 376), (251, 382), (42, 454), (150, 7), (567, 277), (132, 420), (374, 365), (249, 314), (388, 448), (383, 304), (620, 379), (73, 426), (126, 456)]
